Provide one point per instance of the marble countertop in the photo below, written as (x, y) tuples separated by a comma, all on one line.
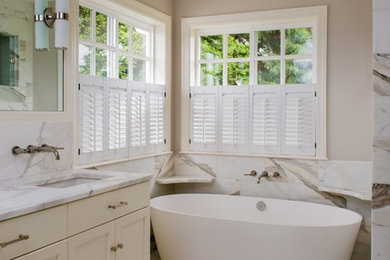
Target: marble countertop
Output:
[(26, 195)]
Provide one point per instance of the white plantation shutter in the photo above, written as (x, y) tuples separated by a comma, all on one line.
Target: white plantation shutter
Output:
[(156, 117), (299, 138), (266, 116), (117, 118), (204, 109), (138, 130), (234, 119), (274, 120), (91, 117)]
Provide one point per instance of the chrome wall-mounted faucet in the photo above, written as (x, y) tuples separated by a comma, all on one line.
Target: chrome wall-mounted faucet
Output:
[(16, 150)]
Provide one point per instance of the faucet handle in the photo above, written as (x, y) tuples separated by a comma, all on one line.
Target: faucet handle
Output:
[(17, 150), (276, 175), (253, 173)]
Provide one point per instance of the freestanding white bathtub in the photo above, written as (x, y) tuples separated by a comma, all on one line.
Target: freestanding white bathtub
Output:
[(223, 227)]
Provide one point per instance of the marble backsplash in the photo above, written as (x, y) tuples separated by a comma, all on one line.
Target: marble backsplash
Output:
[(34, 133), (381, 159), (381, 135), (157, 166)]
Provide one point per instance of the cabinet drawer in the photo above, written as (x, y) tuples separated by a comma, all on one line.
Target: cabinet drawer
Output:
[(42, 228), (88, 213)]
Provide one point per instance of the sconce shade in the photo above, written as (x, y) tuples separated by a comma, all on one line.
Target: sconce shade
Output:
[(62, 25), (41, 30)]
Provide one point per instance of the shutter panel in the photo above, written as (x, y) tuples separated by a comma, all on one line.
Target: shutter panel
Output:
[(204, 101), (117, 118), (156, 117), (234, 109), (299, 120), (138, 118), (266, 114), (91, 117)]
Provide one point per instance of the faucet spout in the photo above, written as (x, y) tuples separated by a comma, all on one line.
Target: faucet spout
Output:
[(264, 174), (48, 148), (56, 154)]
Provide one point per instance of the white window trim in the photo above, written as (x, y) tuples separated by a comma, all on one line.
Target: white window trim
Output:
[(192, 26), (162, 29), (132, 23)]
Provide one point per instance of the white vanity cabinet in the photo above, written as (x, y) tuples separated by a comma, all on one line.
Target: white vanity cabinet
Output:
[(58, 251), (93, 244), (110, 226), (27, 233), (132, 234), (122, 239)]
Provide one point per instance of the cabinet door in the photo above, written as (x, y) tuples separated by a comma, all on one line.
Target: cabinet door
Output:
[(94, 244), (57, 251), (133, 232)]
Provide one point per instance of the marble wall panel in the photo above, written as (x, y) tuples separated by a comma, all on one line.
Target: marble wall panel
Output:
[(158, 166), (34, 133), (381, 136), (353, 178)]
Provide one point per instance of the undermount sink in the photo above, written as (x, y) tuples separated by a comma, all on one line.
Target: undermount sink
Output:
[(69, 182)]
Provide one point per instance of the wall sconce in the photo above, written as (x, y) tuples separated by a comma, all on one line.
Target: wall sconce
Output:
[(45, 18)]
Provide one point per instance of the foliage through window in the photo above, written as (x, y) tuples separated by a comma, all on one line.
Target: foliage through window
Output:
[(101, 53), (255, 92), (121, 110)]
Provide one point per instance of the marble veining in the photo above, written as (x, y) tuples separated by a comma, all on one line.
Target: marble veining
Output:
[(381, 136), (21, 196), (336, 177), (189, 161), (304, 172), (57, 134), (380, 195), (156, 166), (381, 74)]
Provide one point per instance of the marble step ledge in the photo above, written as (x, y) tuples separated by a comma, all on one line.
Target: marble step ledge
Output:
[(185, 179)]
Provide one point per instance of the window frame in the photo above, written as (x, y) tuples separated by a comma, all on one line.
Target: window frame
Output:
[(132, 23), (139, 15), (192, 28)]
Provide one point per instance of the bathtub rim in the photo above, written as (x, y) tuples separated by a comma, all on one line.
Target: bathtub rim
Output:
[(352, 223)]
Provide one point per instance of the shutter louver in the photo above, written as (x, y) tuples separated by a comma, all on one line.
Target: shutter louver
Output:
[(234, 110), (138, 117), (299, 123), (204, 118), (117, 118), (266, 122), (156, 116), (91, 118)]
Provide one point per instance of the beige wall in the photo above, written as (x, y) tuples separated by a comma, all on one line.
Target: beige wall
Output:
[(165, 6), (349, 66)]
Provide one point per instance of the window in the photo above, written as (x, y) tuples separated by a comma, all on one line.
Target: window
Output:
[(256, 89), (122, 111)]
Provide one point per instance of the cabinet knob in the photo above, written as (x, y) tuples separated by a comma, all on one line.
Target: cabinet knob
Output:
[(114, 248), (120, 245)]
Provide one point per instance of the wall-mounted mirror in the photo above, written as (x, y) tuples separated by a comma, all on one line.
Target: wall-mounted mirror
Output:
[(30, 80)]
